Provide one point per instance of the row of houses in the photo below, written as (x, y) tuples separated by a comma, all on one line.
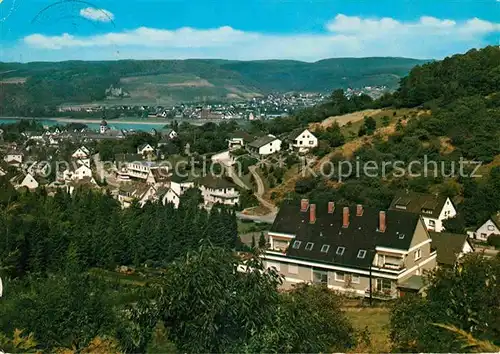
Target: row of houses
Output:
[(33, 174), (213, 190), (364, 251), (301, 140)]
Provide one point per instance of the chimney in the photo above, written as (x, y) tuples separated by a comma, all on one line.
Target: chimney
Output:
[(331, 207), (304, 205), (312, 214), (359, 210), (345, 219), (381, 221)]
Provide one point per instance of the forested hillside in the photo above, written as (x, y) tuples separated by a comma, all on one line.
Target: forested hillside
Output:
[(36, 85), (458, 118)]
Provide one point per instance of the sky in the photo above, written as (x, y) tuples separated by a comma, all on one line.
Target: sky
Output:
[(307, 30)]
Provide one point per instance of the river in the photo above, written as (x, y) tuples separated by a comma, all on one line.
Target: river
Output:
[(122, 123)]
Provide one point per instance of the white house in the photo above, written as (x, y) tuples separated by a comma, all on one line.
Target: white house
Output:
[(238, 140), (167, 135), (266, 145), (82, 156), (218, 190), (178, 185), (133, 166), (14, 157), (80, 173), (81, 153), (27, 181), (145, 149), (490, 227), (434, 209), (302, 140)]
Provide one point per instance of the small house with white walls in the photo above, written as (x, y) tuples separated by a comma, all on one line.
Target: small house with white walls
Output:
[(27, 181), (14, 157), (145, 149), (80, 173), (81, 153), (434, 209), (239, 140), (216, 189), (178, 185), (302, 140), (166, 136), (169, 134), (488, 228), (265, 145)]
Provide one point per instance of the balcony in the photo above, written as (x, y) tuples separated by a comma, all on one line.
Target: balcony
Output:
[(391, 265)]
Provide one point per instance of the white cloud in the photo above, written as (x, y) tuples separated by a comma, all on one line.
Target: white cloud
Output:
[(427, 37), (99, 15)]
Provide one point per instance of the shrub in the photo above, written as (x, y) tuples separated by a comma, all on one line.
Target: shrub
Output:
[(494, 240)]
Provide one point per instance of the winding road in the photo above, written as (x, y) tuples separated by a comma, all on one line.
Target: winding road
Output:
[(261, 189)]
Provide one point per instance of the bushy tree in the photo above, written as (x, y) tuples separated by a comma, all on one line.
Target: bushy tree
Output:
[(467, 297)]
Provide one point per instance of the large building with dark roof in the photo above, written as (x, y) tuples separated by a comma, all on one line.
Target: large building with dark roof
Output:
[(434, 209), (345, 247)]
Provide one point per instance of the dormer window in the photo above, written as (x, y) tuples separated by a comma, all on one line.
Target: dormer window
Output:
[(340, 251), (325, 248), (361, 254), (309, 246), (296, 245)]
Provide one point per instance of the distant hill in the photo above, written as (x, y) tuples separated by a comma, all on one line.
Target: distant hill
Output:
[(171, 81)]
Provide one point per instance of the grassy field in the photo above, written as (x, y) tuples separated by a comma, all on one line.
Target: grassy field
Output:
[(393, 116), (376, 320), (245, 227)]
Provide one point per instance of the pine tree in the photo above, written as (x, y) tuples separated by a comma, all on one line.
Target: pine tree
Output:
[(253, 242), (262, 240)]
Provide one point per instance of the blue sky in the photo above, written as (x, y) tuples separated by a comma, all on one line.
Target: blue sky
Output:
[(243, 29)]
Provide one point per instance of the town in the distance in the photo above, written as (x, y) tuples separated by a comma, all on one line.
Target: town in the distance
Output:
[(345, 205)]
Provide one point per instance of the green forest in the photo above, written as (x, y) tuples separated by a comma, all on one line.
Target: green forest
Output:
[(468, 119)]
